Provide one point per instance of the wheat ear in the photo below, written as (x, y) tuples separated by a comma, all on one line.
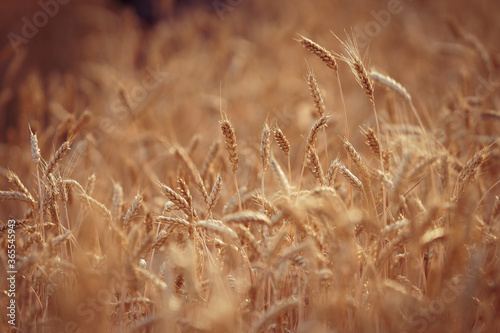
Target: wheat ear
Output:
[(354, 61), (319, 104), (132, 211), (179, 202), (325, 55), (284, 145), (398, 88), (469, 172), (311, 142), (56, 158), (232, 149), (214, 194), (356, 159)]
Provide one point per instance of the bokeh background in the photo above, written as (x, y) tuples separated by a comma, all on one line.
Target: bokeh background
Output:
[(134, 78)]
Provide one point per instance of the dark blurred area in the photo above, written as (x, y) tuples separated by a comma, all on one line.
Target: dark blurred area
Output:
[(48, 36), (150, 11)]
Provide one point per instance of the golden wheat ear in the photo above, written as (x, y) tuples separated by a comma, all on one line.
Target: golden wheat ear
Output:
[(356, 64), (232, 149)]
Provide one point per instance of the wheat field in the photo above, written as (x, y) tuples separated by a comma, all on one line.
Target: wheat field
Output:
[(250, 166)]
